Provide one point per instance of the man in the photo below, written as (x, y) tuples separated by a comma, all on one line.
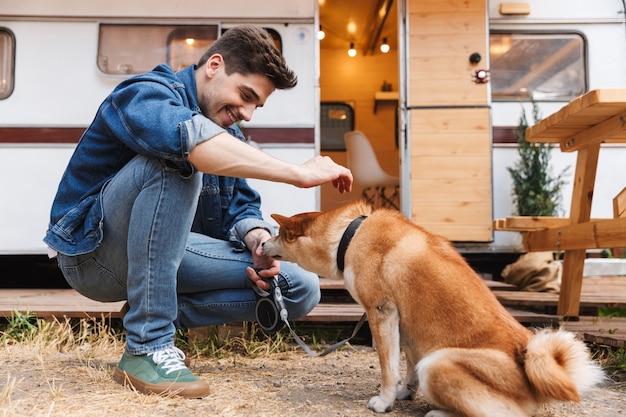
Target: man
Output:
[(163, 156)]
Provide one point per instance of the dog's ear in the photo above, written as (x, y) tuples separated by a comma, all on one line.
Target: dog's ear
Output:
[(282, 221), (289, 228), (293, 227)]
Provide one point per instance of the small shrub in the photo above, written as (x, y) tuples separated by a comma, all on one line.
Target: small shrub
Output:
[(536, 192)]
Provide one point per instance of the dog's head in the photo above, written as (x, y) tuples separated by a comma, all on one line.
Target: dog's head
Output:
[(311, 239), (302, 239)]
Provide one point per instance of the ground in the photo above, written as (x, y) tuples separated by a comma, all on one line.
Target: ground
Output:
[(45, 380)]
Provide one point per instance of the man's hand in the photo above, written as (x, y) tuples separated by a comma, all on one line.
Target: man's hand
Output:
[(266, 266), (322, 169)]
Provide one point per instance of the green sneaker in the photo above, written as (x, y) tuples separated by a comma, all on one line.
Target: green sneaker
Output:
[(163, 372)]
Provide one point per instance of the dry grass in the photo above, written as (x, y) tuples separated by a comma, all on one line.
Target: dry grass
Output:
[(64, 369)]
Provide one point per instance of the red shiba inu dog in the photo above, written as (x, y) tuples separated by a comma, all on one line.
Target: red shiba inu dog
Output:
[(464, 351)]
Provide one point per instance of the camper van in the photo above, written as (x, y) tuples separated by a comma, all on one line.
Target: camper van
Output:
[(439, 105)]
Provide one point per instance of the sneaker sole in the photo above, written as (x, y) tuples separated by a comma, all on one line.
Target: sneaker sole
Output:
[(197, 389)]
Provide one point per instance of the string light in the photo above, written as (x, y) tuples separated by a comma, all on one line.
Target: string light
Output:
[(384, 47), (321, 34), (351, 51)]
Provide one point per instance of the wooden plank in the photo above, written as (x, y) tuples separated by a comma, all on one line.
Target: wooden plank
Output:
[(619, 204), (581, 113), (529, 223), (595, 134), (56, 303), (331, 284), (334, 313), (608, 331), (595, 292), (442, 35), (436, 176), (543, 299), (529, 318), (597, 234), (338, 284)]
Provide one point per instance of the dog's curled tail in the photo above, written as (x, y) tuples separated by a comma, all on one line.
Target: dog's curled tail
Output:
[(559, 366)]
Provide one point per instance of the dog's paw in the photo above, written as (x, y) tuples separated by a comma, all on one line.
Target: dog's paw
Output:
[(440, 413), (405, 393), (379, 405)]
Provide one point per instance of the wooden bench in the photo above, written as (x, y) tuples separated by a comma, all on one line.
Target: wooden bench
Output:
[(582, 125), (58, 303)]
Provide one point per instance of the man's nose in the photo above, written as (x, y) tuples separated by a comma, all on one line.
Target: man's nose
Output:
[(246, 112)]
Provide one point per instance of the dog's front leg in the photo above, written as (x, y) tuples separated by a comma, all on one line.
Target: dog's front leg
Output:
[(384, 325)]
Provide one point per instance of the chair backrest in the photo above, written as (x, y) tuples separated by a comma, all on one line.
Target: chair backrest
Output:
[(363, 163)]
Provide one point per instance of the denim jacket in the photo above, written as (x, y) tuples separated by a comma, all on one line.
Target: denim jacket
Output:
[(154, 114)]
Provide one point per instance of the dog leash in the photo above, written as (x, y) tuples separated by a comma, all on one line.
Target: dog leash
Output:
[(331, 348), (271, 307)]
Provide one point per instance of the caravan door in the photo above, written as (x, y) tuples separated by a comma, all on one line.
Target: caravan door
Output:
[(446, 157)]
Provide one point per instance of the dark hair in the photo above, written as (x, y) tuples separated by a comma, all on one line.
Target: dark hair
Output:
[(248, 49)]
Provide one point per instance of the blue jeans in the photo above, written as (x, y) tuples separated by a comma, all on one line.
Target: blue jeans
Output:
[(170, 276)]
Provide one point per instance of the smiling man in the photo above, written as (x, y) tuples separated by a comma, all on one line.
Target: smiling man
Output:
[(154, 207)]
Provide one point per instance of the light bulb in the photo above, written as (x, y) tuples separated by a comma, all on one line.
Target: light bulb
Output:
[(321, 34), (384, 47), (351, 51)]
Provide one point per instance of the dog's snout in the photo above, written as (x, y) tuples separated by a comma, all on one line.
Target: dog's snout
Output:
[(269, 249)]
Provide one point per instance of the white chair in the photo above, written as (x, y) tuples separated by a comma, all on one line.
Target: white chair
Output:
[(380, 188)]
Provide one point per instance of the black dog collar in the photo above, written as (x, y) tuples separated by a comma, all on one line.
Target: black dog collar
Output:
[(348, 234)]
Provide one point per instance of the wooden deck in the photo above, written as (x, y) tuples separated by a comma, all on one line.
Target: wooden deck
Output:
[(47, 303), (596, 292), (529, 308)]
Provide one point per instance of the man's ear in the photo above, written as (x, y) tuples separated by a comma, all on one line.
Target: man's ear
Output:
[(213, 64)]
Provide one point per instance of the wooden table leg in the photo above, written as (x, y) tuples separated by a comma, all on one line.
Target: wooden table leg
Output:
[(580, 212), (571, 283)]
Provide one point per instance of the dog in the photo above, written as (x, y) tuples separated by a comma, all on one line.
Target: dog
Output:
[(465, 353)]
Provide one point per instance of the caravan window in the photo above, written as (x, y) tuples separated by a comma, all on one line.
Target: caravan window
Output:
[(541, 66), (7, 63), (336, 118), (136, 48)]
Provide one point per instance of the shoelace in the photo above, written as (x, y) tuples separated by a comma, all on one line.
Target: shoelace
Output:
[(171, 359)]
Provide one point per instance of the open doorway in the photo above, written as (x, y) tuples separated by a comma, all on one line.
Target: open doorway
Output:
[(357, 81)]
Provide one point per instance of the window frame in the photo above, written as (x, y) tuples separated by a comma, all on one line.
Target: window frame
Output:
[(529, 97), (11, 66), (177, 27), (164, 59)]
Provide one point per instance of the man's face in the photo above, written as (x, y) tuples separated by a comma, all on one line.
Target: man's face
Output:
[(227, 99)]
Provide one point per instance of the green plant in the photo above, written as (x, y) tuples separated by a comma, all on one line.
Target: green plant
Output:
[(19, 326), (618, 357), (536, 192), (604, 311)]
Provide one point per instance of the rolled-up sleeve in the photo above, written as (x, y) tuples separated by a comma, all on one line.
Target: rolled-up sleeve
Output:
[(242, 227), (200, 129)]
